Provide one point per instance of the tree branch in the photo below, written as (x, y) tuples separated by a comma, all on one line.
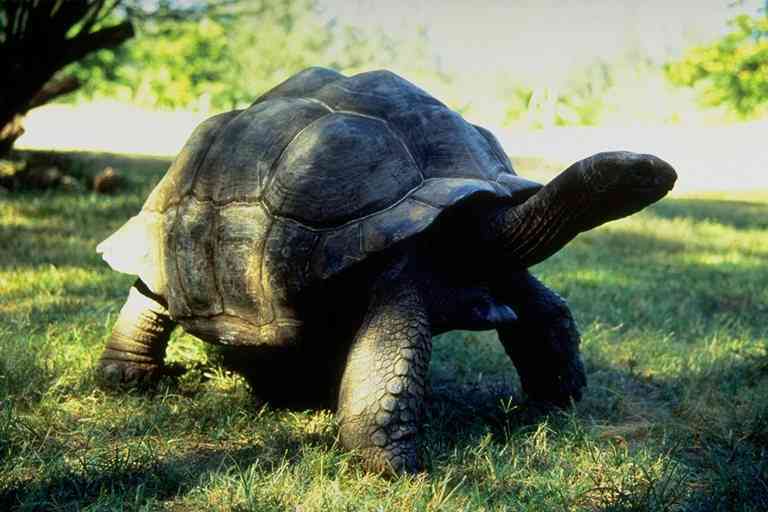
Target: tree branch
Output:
[(109, 37), (94, 15), (9, 132), (53, 89)]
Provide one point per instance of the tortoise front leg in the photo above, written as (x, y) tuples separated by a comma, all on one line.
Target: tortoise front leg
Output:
[(381, 399), (544, 343), (136, 348)]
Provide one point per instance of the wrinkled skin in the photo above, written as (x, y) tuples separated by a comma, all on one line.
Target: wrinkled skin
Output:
[(370, 344)]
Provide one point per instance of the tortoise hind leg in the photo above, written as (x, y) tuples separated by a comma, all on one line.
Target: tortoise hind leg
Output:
[(136, 348), (544, 343), (382, 389)]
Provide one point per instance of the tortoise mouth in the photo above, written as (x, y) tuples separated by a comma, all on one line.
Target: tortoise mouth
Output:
[(629, 200), (655, 190), (652, 190), (656, 179), (653, 173)]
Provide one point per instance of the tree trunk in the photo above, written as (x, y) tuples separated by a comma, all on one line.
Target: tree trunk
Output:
[(13, 129), (9, 132), (36, 47)]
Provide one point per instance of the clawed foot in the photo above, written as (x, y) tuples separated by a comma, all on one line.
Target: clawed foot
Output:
[(130, 374), (391, 461), (386, 451), (558, 377), (558, 390)]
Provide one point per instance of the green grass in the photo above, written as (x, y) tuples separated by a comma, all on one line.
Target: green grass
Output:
[(672, 304)]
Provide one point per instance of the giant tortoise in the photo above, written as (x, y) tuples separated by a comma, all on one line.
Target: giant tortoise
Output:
[(324, 235)]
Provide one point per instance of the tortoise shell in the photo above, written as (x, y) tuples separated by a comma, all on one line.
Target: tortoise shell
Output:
[(319, 173)]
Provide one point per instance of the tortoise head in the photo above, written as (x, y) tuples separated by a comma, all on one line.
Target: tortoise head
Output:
[(621, 183), (591, 192)]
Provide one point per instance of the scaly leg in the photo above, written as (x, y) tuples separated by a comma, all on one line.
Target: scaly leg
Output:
[(544, 343), (381, 400), (136, 348)]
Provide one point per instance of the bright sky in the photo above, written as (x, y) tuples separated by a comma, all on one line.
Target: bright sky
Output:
[(545, 39)]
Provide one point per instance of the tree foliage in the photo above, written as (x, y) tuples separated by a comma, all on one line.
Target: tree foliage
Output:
[(732, 71), (579, 101), (225, 58), (216, 59), (187, 51), (205, 54)]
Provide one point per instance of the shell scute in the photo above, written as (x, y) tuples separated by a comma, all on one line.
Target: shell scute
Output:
[(443, 193), (341, 168), (180, 177), (376, 93), (445, 146), (396, 224), (241, 232), (191, 244), (260, 134), (337, 250), (302, 84), (287, 251)]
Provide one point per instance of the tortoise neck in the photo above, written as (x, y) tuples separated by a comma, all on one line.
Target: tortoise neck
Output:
[(529, 233)]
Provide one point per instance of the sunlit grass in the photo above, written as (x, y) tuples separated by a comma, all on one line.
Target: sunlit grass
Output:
[(671, 302)]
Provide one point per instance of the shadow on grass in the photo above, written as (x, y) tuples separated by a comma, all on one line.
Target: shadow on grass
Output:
[(124, 461), (639, 280), (731, 474), (48, 245), (70, 302), (112, 477), (708, 460), (111, 481), (62, 228), (665, 285), (710, 422), (686, 301)]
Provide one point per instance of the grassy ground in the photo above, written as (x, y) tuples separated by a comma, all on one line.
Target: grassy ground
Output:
[(672, 305)]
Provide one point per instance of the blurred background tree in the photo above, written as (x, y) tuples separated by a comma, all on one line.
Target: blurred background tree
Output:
[(51, 48), (201, 55), (214, 60), (225, 57), (208, 56), (732, 71), (37, 40)]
